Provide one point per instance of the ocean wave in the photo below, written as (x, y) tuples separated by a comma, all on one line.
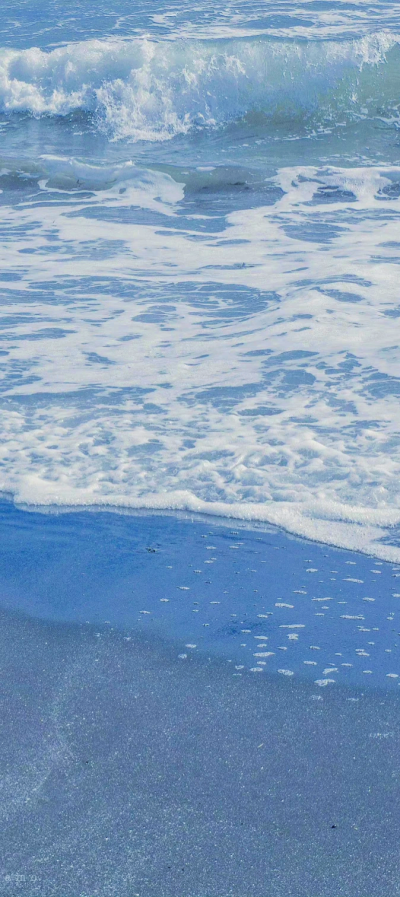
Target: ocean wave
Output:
[(124, 181), (252, 373), (141, 89)]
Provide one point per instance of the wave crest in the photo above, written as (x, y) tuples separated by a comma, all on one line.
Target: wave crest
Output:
[(147, 90)]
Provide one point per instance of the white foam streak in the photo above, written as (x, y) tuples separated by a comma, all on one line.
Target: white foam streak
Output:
[(343, 529)]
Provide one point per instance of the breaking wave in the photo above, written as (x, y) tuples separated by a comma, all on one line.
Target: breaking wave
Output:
[(140, 89)]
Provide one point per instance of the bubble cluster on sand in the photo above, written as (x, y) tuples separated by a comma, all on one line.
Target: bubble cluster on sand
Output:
[(268, 603)]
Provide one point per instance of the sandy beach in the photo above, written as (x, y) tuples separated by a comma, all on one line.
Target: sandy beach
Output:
[(133, 765)]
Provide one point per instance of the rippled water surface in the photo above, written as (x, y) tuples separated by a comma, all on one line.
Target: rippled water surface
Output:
[(199, 261)]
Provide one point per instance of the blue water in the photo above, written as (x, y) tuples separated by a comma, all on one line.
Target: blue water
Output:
[(199, 261), (261, 600), (199, 453)]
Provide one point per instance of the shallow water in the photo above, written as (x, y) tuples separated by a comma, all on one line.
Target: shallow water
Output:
[(265, 602), (199, 260)]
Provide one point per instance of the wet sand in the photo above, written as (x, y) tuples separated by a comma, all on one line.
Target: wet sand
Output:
[(129, 770), (258, 597)]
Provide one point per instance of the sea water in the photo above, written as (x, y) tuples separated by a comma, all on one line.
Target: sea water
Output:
[(260, 600), (199, 261), (199, 283)]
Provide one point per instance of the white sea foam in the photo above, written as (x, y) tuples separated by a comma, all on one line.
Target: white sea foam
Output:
[(251, 373), (144, 89)]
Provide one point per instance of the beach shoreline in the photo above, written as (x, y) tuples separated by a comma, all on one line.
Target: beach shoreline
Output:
[(262, 599)]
